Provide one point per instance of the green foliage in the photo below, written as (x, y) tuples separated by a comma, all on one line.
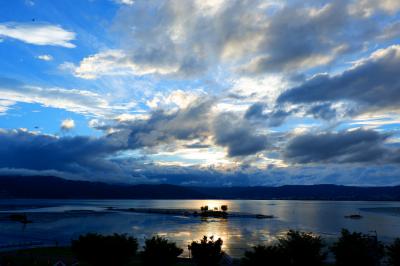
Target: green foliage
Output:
[(393, 252), (99, 250), (357, 249), (158, 251), (206, 252)]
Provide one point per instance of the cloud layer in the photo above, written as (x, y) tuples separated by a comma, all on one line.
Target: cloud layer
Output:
[(360, 146), (79, 101), (205, 92), (373, 84), (252, 37)]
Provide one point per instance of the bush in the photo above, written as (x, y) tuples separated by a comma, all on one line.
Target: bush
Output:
[(357, 249), (206, 252), (302, 248), (393, 252), (159, 251), (98, 250), (264, 255), (295, 249)]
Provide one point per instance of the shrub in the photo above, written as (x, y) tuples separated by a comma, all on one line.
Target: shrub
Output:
[(264, 255), (99, 250), (393, 252), (204, 208), (302, 248), (295, 249), (159, 251), (357, 249), (206, 252), (224, 208)]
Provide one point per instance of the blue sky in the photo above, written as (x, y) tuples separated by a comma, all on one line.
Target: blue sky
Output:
[(210, 92)]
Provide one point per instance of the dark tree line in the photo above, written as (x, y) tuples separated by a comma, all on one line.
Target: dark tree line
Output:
[(294, 249)]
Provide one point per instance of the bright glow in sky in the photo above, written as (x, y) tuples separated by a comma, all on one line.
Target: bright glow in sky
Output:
[(216, 92)]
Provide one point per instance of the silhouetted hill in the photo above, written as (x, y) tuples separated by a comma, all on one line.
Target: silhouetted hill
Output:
[(54, 187), (307, 192)]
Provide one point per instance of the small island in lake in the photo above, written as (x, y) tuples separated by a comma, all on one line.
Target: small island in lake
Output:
[(215, 212), (353, 216), (205, 212)]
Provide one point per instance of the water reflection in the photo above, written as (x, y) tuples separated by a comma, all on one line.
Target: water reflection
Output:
[(51, 224)]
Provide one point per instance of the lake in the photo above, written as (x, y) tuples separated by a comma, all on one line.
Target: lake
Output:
[(59, 221)]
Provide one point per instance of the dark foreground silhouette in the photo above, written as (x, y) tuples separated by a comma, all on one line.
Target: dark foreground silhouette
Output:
[(206, 252), (293, 249), (296, 248)]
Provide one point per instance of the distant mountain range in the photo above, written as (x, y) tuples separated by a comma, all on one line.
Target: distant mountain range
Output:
[(54, 187)]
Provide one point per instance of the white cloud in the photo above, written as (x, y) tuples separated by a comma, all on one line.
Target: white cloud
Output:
[(67, 124), (253, 89), (124, 118), (125, 2), (74, 100), (38, 34), (176, 99), (5, 105), (45, 57), (368, 8), (113, 63)]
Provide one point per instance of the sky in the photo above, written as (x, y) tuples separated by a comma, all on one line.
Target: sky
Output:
[(201, 92)]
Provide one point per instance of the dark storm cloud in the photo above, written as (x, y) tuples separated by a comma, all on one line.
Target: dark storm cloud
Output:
[(323, 111), (194, 123), (238, 135), (359, 146), (296, 39), (373, 84), (28, 153), (197, 146), (256, 112), (22, 149), (163, 127)]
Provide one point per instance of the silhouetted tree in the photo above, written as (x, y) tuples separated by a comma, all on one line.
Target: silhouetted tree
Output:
[(265, 255), (357, 249), (158, 251), (295, 249), (224, 208), (204, 208), (393, 252), (302, 248), (206, 252), (99, 250)]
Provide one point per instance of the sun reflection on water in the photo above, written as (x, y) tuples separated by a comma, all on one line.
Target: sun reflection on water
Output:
[(235, 240), (211, 204)]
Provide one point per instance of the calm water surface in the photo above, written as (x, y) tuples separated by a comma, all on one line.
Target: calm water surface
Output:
[(53, 221)]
